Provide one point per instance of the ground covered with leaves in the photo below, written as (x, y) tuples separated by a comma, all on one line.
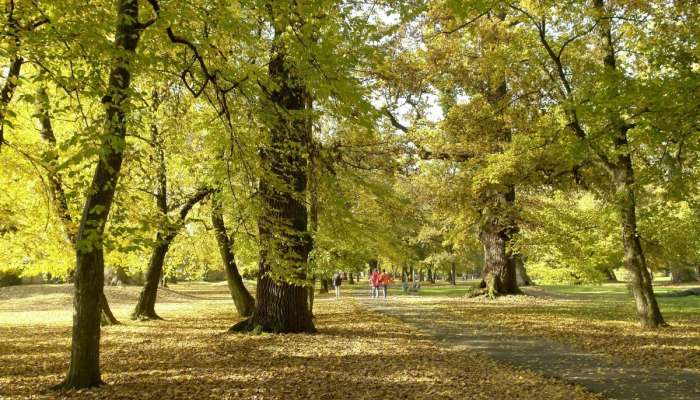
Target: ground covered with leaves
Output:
[(598, 319), (357, 354)]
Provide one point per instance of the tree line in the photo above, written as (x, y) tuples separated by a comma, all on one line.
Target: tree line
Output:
[(300, 138)]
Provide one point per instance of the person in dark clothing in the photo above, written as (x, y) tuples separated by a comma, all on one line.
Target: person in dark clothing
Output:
[(337, 281)]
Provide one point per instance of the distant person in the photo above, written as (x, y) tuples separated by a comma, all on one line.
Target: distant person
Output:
[(337, 281), (384, 280), (374, 282)]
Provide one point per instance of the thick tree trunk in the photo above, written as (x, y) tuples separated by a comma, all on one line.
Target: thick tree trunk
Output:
[(410, 274), (244, 302), (351, 280), (453, 275), (281, 302), (521, 276), (84, 370), (498, 276), (420, 276)]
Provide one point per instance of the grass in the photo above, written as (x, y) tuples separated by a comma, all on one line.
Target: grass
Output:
[(357, 354)]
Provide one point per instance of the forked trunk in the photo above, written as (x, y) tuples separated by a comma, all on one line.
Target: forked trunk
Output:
[(145, 308)]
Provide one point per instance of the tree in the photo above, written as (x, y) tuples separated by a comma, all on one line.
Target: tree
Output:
[(281, 296), (84, 370)]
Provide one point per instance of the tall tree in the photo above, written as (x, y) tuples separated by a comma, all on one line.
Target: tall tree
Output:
[(56, 188), (84, 370), (281, 294)]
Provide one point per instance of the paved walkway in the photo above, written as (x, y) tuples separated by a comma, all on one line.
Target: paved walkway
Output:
[(615, 379)]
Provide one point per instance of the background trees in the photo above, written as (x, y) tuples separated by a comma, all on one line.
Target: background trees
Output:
[(297, 139)]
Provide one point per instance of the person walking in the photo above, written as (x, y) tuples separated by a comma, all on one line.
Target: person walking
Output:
[(374, 282), (384, 280), (337, 281)]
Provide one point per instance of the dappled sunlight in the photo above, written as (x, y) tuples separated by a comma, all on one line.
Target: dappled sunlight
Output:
[(355, 354)]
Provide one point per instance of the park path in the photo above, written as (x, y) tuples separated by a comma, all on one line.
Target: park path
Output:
[(614, 379)]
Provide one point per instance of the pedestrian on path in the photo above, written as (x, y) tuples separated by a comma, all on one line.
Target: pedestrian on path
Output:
[(385, 280), (337, 281), (374, 283)]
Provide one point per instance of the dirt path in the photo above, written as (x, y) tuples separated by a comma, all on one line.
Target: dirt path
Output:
[(601, 374)]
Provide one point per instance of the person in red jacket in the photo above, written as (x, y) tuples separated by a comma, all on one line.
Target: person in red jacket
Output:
[(374, 282), (384, 280)]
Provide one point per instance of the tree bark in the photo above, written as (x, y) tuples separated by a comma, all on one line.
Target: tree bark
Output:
[(145, 308), (281, 294), (324, 286), (351, 279), (84, 370), (521, 276), (242, 299), (622, 172), (499, 276), (648, 311), (7, 91), (453, 275), (58, 194), (107, 317)]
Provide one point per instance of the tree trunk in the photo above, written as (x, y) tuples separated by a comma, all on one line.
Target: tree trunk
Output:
[(56, 191), (610, 275), (648, 310), (498, 276), (683, 275), (373, 264), (312, 290), (244, 302), (84, 370), (404, 278), (622, 173), (107, 317), (410, 274), (8, 90), (324, 286), (521, 276), (145, 308), (453, 275), (281, 301), (351, 280), (420, 276)]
